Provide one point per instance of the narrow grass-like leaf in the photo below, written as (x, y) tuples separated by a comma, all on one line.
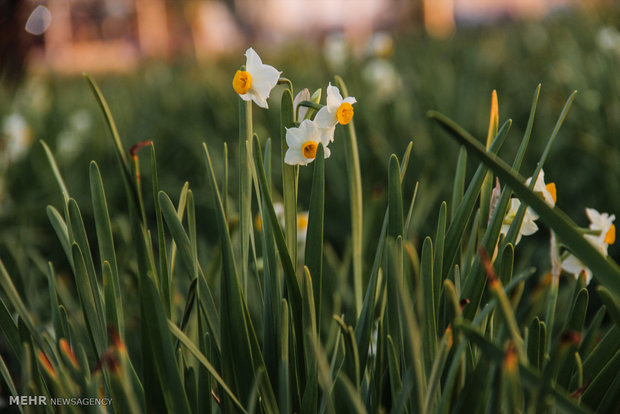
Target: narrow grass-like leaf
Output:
[(235, 332), (164, 274), (8, 327), (61, 230), (487, 184), (92, 314), (8, 380), (436, 371), (313, 256), (56, 171), (309, 400), (535, 343), (393, 369), (395, 199), (591, 334), (601, 382), (6, 283), (429, 339), (458, 224), (602, 353), (191, 347), (611, 303), (440, 238), (245, 186), (284, 391), (530, 379), (458, 187), (289, 175), (80, 238), (178, 233), (292, 284), (349, 400), (354, 178), (106, 245), (604, 269)]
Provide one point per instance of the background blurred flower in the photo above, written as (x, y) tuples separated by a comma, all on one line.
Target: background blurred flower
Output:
[(382, 78), (16, 137)]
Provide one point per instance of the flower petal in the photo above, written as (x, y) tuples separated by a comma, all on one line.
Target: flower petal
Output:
[(294, 137), (303, 95), (294, 156), (334, 98), (252, 60), (325, 119)]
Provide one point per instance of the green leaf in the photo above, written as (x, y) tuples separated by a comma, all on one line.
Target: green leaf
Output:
[(289, 175), (86, 292), (179, 235), (440, 239), (429, 339), (238, 337), (164, 274), (292, 285), (106, 247), (463, 214), (61, 230), (458, 188), (611, 303), (56, 171), (560, 399), (191, 347), (9, 330), (78, 232), (245, 185), (313, 256), (395, 199), (354, 179)]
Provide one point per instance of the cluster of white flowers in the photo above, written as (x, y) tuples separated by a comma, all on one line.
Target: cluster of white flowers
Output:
[(528, 226), (256, 82), (601, 232)]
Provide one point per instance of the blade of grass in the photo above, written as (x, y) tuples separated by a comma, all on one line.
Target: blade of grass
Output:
[(355, 193)]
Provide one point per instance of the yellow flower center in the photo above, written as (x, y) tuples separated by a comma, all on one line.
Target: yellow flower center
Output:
[(309, 149), (551, 188), (242, 82), (610, 237), (344, 113)]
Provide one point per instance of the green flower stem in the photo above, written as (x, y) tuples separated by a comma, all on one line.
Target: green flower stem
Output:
[(245, 186)]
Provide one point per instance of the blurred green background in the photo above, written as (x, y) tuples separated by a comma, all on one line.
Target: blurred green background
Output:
[(180, 102)]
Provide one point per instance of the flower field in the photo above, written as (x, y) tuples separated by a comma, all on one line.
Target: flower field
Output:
[(418, 226)]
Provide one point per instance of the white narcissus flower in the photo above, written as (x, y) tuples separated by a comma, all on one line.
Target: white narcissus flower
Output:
[(338, 110), (528, 227), (256, 81), (303, 143), (547, 191), (601, 223)]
